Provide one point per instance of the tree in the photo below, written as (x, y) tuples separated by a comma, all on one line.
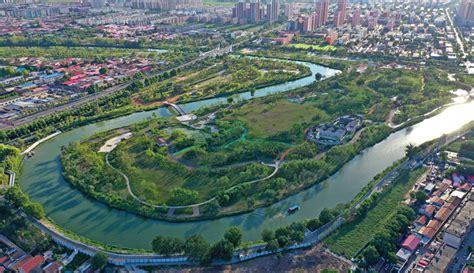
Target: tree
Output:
[(103, 70), (420, 197), (410, 151), (325, 216), (222, 250), (268, 235), (16, 196), (230, 100), (313, 224), (180, 196), (196, 248), (272, 245), (234, 236), (371, 256), (99, 260), (35, 210), (318, 76), (167, 245)]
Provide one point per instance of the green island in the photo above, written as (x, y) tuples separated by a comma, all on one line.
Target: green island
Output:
[(236, 157), (220, 77)]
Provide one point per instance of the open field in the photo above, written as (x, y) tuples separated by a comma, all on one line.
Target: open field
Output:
[(264, 120), (314, 47), (351, 237)]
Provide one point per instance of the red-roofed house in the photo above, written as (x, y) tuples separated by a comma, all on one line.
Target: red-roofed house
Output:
[(428, 210), (443, 214), (436, 201), (28, 264), (411, 242), (421, 220)]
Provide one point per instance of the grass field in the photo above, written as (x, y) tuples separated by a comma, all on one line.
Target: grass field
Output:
[(154, 180), (314, 47), (264, 120), (215, 3), (351, 237)]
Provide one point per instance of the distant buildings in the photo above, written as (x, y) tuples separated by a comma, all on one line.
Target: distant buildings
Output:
[(321, 13), (97, 4), (289, 10), (166, 4), (340, 14), (243, 12), (465, 12), (355, 21)]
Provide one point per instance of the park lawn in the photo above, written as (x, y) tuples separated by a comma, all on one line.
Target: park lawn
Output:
[(313, 47), (351, 237), (266, 119), (154, 183)]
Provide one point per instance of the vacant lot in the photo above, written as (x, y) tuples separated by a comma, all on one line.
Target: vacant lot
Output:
[(350, 238), (264, 120)]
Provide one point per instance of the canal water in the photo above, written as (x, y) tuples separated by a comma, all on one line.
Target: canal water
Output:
[(42, 179)]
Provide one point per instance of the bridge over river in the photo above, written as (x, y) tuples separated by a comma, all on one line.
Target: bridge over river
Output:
[(42, 179)]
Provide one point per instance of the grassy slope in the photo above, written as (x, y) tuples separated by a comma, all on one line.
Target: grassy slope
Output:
[(351, 237), (264, 120)]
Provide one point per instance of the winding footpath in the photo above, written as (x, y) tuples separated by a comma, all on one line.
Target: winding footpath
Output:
[(275, 165)]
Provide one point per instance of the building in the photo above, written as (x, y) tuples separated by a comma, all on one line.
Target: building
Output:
[(322, 12), (340, 14), (273, 10), (355, 21), (166, 4), (97, 4), (460, 226), (240, 10), (289, 10), (465, 12), (28, 264), (372, 22), (255, 12)]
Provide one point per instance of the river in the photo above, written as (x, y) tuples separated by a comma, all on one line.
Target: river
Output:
[(41, 178)]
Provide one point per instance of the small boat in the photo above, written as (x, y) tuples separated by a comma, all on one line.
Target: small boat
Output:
[(293, 209)]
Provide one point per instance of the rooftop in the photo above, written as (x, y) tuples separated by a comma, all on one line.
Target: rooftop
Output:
[(462, 221)]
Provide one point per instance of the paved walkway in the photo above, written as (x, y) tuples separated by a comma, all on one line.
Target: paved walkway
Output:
[(11, 178), (34, 145)]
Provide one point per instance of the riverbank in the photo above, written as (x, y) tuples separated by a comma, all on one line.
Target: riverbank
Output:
[(148, 259), (78, 214)]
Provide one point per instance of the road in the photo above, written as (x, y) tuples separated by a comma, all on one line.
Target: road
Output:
[(458, 38), (69, 105)]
